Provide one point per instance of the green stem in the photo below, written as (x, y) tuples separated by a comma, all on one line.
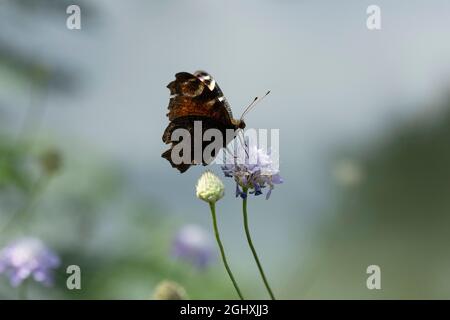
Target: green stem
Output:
[(35, 192), (250, 243), (23, 290), (222, 252)]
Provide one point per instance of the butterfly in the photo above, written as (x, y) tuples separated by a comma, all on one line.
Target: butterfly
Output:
[(197, 97)]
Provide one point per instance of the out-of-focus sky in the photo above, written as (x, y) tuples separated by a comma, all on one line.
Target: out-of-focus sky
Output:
[(334, 83)]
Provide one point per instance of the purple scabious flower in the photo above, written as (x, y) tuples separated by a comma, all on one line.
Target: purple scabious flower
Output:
[(28, 257), (193, 244), (253, 170)]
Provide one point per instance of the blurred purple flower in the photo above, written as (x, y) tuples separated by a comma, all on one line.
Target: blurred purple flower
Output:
[(253, 169), (28, 257), (194, 245)]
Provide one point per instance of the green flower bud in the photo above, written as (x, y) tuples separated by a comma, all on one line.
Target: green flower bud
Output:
[(210, 188), (169, 290)]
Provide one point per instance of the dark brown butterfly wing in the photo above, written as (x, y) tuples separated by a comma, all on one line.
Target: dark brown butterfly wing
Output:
[(187, 123), (195, 97), (192, 97)]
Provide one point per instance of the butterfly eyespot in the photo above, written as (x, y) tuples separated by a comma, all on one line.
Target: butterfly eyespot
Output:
[(191, 89)]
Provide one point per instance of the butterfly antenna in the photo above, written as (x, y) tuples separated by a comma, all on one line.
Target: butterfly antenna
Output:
[(249, 106), (253, 104)]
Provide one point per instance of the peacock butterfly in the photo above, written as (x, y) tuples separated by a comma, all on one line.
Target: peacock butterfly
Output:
[(197, 97)]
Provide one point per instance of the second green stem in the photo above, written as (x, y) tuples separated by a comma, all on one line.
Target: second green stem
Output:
[(250, 243)]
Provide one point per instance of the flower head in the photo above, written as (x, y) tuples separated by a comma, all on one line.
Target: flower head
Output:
[(348, 172), (51, 161), (209, 187), (28, 257), (253, 169), (193, 244), (169, 290)]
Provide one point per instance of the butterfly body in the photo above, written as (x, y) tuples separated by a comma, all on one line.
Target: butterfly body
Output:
[(197, 97)]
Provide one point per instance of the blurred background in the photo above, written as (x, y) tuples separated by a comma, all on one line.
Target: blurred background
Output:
[(364, 119)]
